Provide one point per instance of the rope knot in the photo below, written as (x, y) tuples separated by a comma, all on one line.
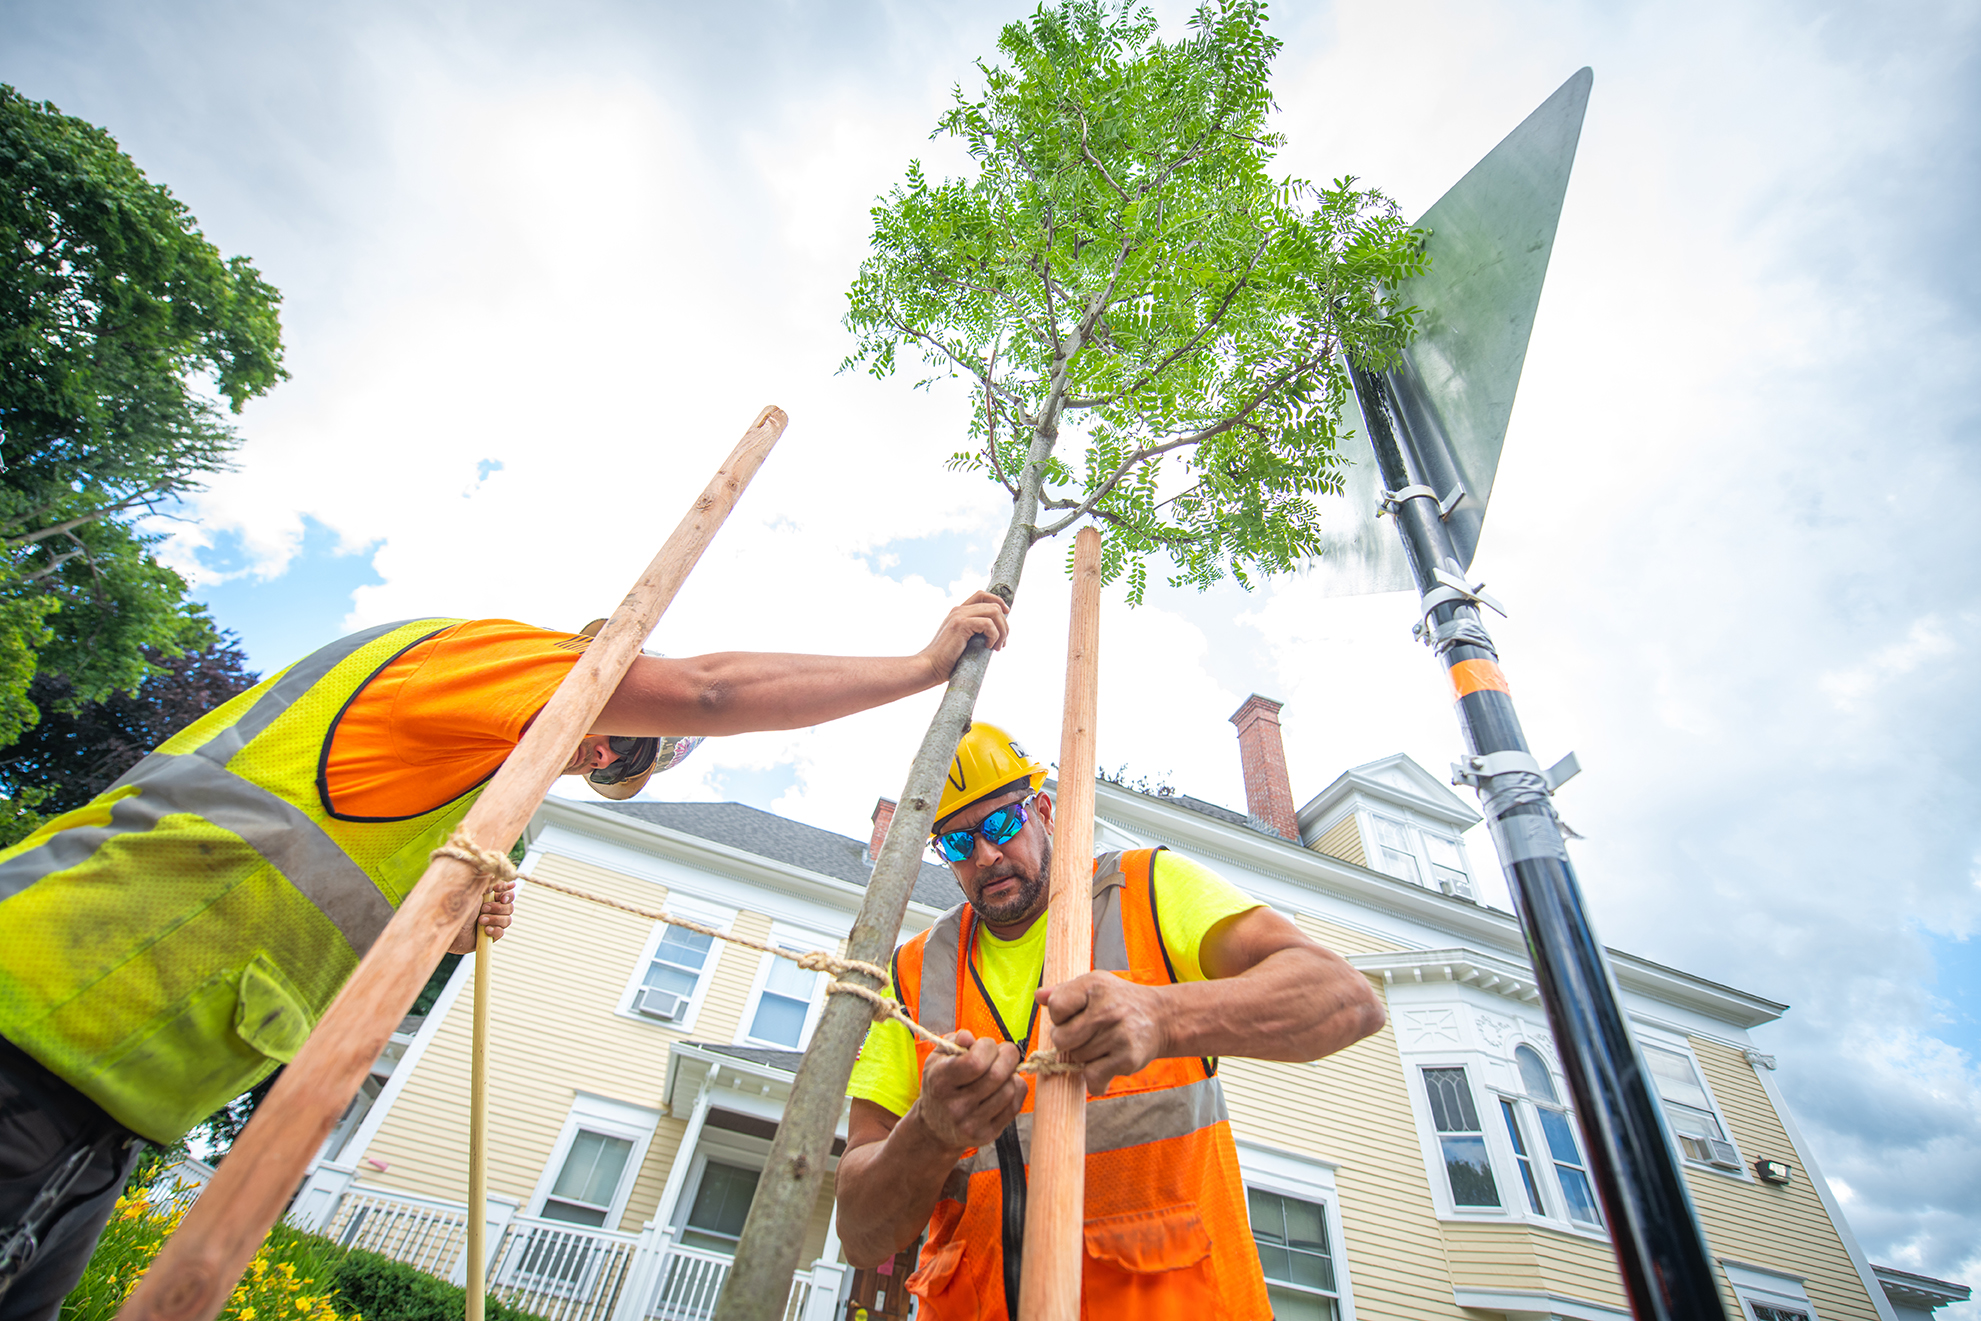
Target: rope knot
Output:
[(492, 866)]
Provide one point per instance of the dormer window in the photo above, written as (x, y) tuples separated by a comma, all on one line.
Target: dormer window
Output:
[(1412, 854)]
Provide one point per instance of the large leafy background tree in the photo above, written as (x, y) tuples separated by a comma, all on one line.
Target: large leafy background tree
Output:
[(125, 341), (1151, 325)]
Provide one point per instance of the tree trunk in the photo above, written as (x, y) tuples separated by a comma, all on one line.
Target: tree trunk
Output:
[(760, 1281)]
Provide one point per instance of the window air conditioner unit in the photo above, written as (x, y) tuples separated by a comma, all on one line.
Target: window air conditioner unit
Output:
[(667, 1005), (1713, 1151)]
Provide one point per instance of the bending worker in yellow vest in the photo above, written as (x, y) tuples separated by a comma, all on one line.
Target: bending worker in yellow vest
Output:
[(167, 945), (1186, 969)]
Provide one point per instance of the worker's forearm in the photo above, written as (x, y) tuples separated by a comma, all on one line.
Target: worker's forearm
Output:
[(735, 692), (888, 1189), (1295, 1004)]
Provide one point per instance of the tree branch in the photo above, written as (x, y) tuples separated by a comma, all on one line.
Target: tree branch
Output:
[(1094, 160)]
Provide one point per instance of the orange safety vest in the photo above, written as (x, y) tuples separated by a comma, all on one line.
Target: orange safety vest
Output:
[(1168, 1238)]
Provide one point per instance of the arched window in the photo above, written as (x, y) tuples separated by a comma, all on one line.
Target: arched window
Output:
[(1571, 1171)]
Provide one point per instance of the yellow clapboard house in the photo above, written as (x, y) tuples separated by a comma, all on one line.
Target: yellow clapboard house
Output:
[(1434, 1170)]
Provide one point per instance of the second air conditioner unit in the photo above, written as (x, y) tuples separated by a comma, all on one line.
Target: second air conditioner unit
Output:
[(656, 1003)]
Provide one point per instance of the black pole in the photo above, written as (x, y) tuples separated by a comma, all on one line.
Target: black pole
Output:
[(1667, 1273)]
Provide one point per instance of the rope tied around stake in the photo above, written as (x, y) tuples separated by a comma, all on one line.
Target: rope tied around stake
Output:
[(496, 869)]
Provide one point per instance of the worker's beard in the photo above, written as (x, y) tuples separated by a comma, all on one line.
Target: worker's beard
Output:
[(1026, 901)]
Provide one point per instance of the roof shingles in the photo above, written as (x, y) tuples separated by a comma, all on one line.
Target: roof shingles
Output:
[(768, 836)]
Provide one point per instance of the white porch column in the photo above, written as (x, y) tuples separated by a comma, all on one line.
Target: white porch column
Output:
[(497, 1212), (642, 1276), (829, 1274), (315, 1204), (684, 1156)]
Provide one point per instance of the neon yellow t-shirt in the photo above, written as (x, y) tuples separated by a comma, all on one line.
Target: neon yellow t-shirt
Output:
[(1190, 900)]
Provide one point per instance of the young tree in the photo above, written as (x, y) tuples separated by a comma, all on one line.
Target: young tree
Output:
[(121, 330), (1152, 328)]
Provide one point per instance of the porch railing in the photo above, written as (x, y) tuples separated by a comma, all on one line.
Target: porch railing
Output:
[(549, 1268), (428, 1233), (560, 1271)]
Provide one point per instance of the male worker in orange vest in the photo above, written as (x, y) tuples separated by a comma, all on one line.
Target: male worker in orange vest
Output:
[(165, 946), (1186, 969)]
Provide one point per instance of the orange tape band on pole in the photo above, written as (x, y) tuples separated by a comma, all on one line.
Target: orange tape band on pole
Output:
[(1470, 676)]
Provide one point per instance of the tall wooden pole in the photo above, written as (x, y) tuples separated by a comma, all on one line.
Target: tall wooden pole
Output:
[(193, 1275), (1056, 1187), (477, 1247)]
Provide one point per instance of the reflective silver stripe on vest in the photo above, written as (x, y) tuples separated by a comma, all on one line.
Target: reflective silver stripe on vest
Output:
[(304, 675), (935, 998), (1114, 1122), (295, 845), (1110, 939)]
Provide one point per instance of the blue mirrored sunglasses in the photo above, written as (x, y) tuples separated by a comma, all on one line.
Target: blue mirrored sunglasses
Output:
[(1000, 827)]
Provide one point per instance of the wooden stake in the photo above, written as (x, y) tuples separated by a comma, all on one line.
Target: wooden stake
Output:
[(477, 1247), (193, 1275), (1056, 1194)]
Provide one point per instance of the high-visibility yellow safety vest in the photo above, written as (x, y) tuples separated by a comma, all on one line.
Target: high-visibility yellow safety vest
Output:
[(165, 946)]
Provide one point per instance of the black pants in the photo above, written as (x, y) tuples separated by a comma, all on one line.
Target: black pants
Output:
[(43, 1121)]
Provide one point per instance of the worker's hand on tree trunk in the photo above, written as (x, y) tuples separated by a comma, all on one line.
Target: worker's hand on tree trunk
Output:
[(496, 913), (967, 1099), (1112, 1026), (983, 615)]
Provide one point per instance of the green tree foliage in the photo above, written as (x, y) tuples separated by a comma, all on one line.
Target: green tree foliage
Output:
[(79, 748), (123, 332), (1125, 264)]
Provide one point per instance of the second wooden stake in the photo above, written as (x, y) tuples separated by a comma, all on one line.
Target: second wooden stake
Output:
[(1057, 1184)]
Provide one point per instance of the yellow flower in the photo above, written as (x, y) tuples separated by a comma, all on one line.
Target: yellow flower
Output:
[(247, 1314)]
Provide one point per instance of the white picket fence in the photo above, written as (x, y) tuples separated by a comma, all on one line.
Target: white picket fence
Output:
[(549, 1268)]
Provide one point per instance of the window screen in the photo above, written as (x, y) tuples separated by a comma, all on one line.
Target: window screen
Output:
[(715, 1217)]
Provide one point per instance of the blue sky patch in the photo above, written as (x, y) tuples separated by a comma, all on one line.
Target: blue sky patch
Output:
[(284, 618)]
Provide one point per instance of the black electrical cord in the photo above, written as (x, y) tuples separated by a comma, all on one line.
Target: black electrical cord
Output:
[(1010, 1152)]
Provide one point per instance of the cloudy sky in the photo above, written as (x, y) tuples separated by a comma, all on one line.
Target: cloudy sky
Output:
[(543, 264)]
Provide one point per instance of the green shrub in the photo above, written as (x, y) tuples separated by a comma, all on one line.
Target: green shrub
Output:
[(381, 1289)]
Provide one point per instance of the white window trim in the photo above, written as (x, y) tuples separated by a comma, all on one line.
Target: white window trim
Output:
[(1678, 1045), (1310, 1179), (599, 1114), (1757, 1284), (784, 936), (695, 910)]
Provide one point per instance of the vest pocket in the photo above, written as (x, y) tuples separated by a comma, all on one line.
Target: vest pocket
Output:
[(943, 1286), (269, 1014), (1151, 1265)]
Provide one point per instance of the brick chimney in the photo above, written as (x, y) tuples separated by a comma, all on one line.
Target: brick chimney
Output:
[(1268, 790), (883, 818)]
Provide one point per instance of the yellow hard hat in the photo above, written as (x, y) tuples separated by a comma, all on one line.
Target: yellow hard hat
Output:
[(987, 760)]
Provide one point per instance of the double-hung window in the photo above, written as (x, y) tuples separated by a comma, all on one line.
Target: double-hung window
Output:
[(675, 970), (1689, 1110), (1447, 865), (722, 1201), (589, 1179), (785, 1002), (1292, 1237), (1461, 1140), (1393, 852)]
